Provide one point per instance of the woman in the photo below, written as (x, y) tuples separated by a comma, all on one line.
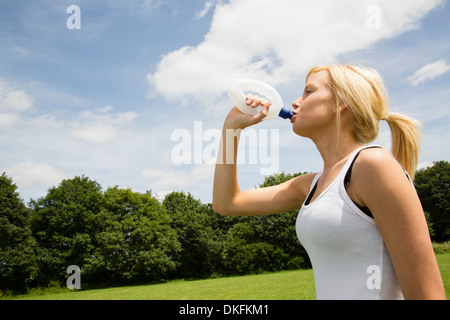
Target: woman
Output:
[(361, 220)]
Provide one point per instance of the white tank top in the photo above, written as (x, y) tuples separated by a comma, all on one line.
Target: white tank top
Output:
[(346, 249)]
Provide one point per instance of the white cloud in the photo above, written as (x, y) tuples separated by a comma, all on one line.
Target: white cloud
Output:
[(28, 174), (276, 41), (96, 133), (429, 72), (172, 180), (45, 122), (150, 173), (12, 100), (16, 100), (101, 126), (8, 119), (200, 14), (13, 103)]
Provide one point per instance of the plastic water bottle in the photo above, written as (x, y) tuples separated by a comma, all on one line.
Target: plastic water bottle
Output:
[(239, 89)]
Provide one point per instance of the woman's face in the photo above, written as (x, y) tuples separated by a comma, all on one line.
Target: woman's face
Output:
[(314, 110)]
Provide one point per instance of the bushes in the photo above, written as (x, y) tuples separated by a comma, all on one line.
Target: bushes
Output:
[(441, 248)]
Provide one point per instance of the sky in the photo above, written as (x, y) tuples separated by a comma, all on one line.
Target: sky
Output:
[(134, 93)]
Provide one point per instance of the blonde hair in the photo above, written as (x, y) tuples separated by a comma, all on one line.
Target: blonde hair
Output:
[(363, 91)]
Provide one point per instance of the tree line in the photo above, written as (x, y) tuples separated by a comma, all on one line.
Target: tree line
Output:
[(120, 237)]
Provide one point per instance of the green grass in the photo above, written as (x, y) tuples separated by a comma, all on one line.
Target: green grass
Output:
[(287, 285), (444, 266)]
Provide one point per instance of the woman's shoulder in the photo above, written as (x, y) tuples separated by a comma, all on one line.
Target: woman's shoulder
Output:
[(376, 163), (376, 157), (303, 183), (379, 178)]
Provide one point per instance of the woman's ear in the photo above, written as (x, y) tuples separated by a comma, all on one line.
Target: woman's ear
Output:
[(341, 107)]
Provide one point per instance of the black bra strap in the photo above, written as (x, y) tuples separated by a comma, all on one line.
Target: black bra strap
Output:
[(311, 194), (348, 175), (349, 172)]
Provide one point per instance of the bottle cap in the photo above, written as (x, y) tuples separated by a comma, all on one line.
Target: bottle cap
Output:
[(286, 113)]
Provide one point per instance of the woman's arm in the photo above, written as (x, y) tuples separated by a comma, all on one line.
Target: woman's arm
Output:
[(381, 184), (228, 198)]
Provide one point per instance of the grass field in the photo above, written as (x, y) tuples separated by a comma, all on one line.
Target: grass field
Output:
[(288, 285)]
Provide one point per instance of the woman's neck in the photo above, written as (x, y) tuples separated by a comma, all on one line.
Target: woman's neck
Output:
[(334, 149)]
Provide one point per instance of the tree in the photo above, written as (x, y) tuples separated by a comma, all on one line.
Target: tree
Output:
[(199, 234), (65, 223), (18, 261), (265, 243), (432, 185), (137, 243)]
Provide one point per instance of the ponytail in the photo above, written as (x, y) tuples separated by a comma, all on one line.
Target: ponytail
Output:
[(405, 140)]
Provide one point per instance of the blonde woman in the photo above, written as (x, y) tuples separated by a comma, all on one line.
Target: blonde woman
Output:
[(360, 219)]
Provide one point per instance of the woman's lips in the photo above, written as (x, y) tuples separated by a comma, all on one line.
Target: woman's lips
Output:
[(293, 118)]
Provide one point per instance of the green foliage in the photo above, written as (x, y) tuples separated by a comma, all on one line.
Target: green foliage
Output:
[(198, 232), (64, 224), (432, 185), (18, 262), (135, 243), (441, 248), (265, 243), (116, 237)]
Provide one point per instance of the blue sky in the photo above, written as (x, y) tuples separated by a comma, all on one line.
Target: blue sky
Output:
[(107, 100)]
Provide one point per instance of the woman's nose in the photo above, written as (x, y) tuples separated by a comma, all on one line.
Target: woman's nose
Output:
[(296, 104)]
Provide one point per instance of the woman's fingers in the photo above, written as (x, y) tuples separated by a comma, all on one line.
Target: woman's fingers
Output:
[(255, 101), (262, 113)]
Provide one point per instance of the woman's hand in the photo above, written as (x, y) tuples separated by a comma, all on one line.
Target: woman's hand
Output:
[(236, 119)]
